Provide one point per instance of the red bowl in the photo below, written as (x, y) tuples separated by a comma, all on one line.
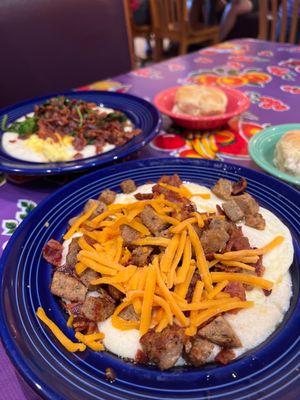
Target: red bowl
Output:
[(238, 102)]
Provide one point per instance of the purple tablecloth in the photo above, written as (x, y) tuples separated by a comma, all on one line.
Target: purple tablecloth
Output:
[(267, 72)]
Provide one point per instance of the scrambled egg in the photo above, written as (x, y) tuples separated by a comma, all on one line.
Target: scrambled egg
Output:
[(52, 151)]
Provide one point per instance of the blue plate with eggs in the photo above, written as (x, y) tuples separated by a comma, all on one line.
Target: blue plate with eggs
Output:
[(270, 371), (141, 113)]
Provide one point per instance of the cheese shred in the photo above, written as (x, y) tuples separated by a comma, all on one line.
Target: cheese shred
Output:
[(60, 336)]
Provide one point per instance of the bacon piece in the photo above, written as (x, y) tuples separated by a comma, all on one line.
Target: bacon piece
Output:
[(141, 357), (52, 252), (237, 240), (267, 292), (173, 180), (239, 187), (236, 289), (79, 143), (259, 268), (225, 356), (144, 196)]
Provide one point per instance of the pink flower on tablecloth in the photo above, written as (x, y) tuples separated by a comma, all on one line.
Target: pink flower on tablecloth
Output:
[(265, 53), (290, 89), (242, 58), (203, 60), (290, 63), (174, 67), (269, 103), (147, 73), (208, 51), (235, 65), (281, 72)]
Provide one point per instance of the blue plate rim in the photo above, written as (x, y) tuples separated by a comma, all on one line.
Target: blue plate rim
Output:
[(20, 364), (91, 162)]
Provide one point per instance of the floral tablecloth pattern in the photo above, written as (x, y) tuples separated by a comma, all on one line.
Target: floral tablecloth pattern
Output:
[(269, 73)]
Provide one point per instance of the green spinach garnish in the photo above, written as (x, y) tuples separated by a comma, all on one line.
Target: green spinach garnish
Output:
[(22, 128), (4, 122), (80, 116), (116, 117)]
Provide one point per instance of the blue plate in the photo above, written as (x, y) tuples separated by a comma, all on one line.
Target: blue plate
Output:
[(143, 115), (271, 371)]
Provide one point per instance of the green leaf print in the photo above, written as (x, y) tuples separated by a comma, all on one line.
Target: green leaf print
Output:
[(24, 208)]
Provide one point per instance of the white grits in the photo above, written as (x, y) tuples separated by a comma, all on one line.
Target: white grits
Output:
[(17, 148), (253, 325)]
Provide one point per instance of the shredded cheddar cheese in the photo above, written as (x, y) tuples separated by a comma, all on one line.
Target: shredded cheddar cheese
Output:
[(201, 260), (244, 278), (235, 255), (90, 263), (123, 276), (152, 241), (177, 258), (169, 298), (202, 195), (217, 289), (80, 268), (92, 344), (199, 218), (191, 330), (238, 264), (206, 315), (182, 190), (70, 321), (148, 300), (186, 262), (79, 221), (183, 225), (83, 244), (60, 336), (168, 256), (120, 323), (182, 288)]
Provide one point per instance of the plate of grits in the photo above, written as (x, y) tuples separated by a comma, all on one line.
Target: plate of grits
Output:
[(157, 279), (74, 131)]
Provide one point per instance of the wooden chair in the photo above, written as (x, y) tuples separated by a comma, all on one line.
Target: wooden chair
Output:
[(170, 20), (268, 20), (136, 31)]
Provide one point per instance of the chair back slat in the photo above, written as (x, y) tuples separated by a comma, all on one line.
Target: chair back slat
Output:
[(294, 23), (283, 26), (263, 26), (269, 19), (169, 15), (274, 10)]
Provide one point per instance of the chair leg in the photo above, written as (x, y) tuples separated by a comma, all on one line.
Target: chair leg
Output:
[(183, 47), (158, 49)]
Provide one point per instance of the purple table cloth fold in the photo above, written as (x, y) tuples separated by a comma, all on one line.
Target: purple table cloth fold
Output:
[(267, 72)]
